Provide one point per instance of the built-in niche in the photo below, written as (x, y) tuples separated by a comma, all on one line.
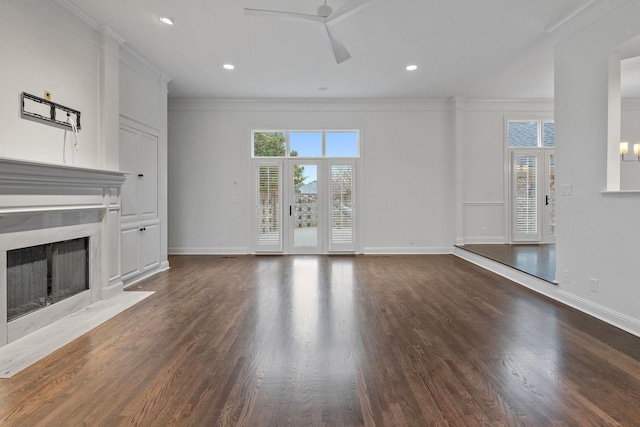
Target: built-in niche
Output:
[(630, 121), (623, 167)]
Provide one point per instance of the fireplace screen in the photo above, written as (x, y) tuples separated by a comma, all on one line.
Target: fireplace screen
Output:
[(42, 275)]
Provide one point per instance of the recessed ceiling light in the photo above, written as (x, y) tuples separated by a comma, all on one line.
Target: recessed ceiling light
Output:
[(166, 19), (228, 66), (322, 88), (412, 67)]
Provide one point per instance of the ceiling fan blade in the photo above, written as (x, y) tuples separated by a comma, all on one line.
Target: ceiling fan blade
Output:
[(347, 9), (290, 16), (339, 51)]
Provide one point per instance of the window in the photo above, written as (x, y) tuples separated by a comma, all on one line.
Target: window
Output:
[(305, 144), (548, 134), (341, 144), (269, 144), (531, 133), (325, 143)]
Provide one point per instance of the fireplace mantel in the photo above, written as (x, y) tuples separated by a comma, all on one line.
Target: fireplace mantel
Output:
[(42, 203), (26, 177)]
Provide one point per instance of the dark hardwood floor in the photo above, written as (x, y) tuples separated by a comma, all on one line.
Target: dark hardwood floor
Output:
[(536, 260), (335, 341)]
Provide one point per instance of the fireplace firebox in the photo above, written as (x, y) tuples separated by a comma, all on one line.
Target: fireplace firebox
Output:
[(39, 276)]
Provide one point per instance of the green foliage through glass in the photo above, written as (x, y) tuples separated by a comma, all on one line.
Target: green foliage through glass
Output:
[(269, 144)]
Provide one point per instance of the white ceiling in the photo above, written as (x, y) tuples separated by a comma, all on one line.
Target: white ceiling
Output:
[(489, 48)]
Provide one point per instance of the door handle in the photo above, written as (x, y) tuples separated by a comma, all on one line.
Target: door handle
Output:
[(290, 211), (546, 201)]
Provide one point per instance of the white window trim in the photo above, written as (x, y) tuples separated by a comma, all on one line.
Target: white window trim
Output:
[(287, 150), (360, 182), (506, 177)]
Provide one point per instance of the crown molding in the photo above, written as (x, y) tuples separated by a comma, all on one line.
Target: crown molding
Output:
[(82, 16), (570, 16), (78, 13), (141, 65), (108, 32), (580, 17), (309, 105)]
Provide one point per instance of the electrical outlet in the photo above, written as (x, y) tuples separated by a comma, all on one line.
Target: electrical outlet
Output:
[(47, 95), (567, 189), (567, 276), (221, 241), (593, 285), (411, 241)]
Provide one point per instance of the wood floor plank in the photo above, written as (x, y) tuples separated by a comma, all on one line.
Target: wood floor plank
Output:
[(335, 341), (538, 260)]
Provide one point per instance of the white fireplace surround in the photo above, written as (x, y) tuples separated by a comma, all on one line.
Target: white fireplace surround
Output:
[(45, 203)]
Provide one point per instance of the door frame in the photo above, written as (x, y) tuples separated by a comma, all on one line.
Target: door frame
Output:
[(288, 203), (285, 197), (543, 184), (547, 237)]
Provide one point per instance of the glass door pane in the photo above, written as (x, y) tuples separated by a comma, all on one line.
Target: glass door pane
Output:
[(526, 201), (304, 207)]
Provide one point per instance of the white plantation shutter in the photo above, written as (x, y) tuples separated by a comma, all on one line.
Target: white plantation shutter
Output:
[(268, 205), (342, 207), (526, 224), (551, 190)]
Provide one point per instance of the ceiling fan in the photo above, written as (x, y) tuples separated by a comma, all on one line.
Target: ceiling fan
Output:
[(325, 16)]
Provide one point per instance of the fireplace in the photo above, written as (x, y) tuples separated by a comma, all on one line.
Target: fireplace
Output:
[(59, 243), (42, 275)]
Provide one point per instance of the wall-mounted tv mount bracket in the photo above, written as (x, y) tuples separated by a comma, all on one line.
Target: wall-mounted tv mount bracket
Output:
[(49, 113)]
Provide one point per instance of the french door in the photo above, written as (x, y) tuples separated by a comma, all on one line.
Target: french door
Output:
[(533, 196), (305, 201), (304, 206)]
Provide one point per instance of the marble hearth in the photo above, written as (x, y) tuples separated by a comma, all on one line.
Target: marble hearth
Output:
[(47, 203)]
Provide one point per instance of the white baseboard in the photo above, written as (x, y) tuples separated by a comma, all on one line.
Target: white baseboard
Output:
[(484, 240), (132, 281), (112, 290), (619, 320), (409, 250), (555, 292), (209, 251)]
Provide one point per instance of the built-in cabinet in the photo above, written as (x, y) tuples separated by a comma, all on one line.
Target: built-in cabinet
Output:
[(140, 225)]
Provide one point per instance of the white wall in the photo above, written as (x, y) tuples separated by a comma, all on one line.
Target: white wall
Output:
[(408, 156), (597, 235), (485, 207), (406, 170), (143, 88), (45, 48)]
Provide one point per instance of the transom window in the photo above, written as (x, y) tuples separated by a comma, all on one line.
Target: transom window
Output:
[(531, 134), (321, 143)]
